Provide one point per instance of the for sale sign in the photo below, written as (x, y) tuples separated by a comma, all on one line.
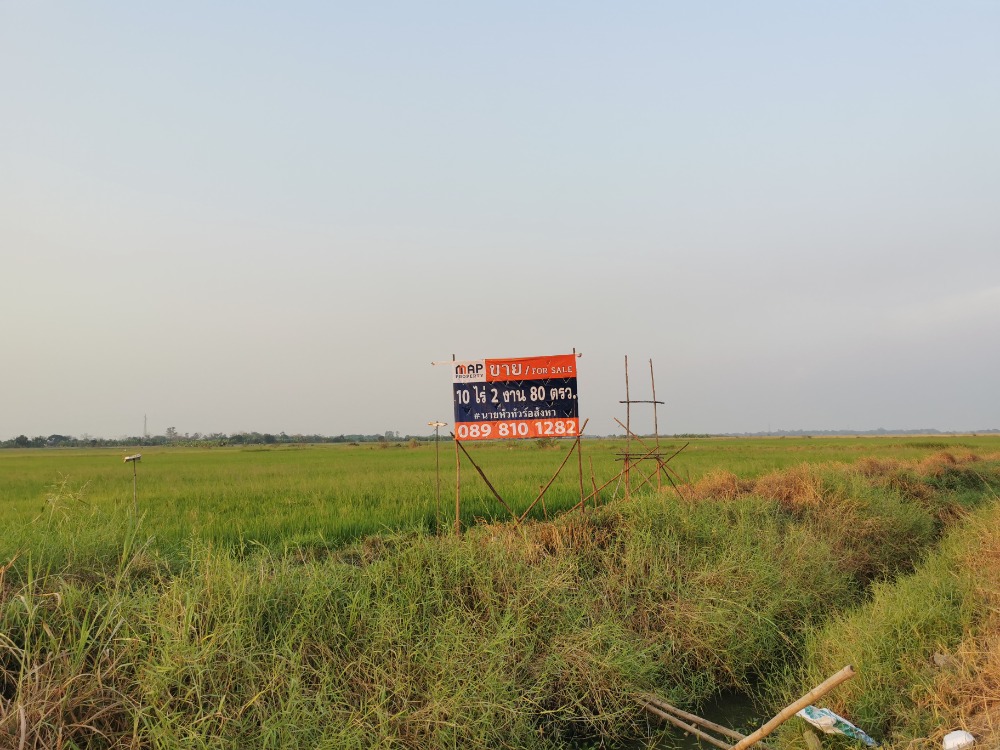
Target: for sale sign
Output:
[(504, 399)]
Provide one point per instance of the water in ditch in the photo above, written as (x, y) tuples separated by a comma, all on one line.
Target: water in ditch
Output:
[(734, 710)]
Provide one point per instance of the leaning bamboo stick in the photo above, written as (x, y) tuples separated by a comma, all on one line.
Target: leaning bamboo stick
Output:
[(789, 711), (489, 484), (685, 726), (598, 489), (717, 728), (661, 463), (544, 489), (558, 471)]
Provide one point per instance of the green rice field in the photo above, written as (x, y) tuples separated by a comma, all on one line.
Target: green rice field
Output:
[(329, 494)]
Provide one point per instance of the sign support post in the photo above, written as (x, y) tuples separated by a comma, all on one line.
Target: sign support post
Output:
[(436, 424), (458, 494), (135, 481)]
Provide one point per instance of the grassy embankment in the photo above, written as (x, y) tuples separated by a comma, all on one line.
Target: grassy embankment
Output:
[(926, 645), (506, 637)]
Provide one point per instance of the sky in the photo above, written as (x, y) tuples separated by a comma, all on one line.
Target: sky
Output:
[(238, 216)]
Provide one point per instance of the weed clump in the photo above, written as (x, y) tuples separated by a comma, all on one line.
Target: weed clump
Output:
[(925, 646), (718, 485), (794, 489)]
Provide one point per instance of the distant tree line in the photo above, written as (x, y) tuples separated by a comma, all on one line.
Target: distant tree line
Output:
[(172, 437)]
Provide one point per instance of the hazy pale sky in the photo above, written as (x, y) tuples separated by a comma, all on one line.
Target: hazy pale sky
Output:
[(273, 216)]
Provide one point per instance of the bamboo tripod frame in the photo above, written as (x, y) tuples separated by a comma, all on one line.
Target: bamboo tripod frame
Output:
[(630, 460)]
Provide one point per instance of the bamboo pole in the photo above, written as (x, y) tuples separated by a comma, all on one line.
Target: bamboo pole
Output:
[(598, 489), (656, 423), (647, 479), (676, 488), (789, 711), (544, 489), (437, 472), (655, 455), (657, 707), (593, 482), (641, 457), (717, 728), (579, 460), (558, 471), (628, 430), (686, 727), (458, 485), (652, 453), (488, 482)]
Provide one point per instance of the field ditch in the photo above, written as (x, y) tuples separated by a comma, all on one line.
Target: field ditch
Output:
[(530, 636)]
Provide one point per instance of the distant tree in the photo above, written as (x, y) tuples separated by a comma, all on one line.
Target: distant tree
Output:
[(22, 441), (171, 433)]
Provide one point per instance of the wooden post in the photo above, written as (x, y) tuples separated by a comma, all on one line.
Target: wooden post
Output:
[(593, 481), (652, 700), (134, 459), (691, 723), (656, 424), (458, 485), (437, 425), (789, 711), (628, 430), (686, 727), (437, 472)]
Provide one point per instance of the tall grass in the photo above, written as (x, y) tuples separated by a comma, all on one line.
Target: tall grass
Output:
[(529, 636), (926, 646)]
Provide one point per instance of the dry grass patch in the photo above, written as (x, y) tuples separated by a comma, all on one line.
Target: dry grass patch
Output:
[(718, 485), (966, 694), (967, 691), (938, 463), (873, 467), (794, 489)]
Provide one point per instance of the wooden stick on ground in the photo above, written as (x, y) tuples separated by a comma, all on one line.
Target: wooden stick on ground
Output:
[(685, 726), (657, 706), (717, 728)]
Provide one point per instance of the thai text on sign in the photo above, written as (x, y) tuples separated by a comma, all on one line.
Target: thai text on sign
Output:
[(527, 397)]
